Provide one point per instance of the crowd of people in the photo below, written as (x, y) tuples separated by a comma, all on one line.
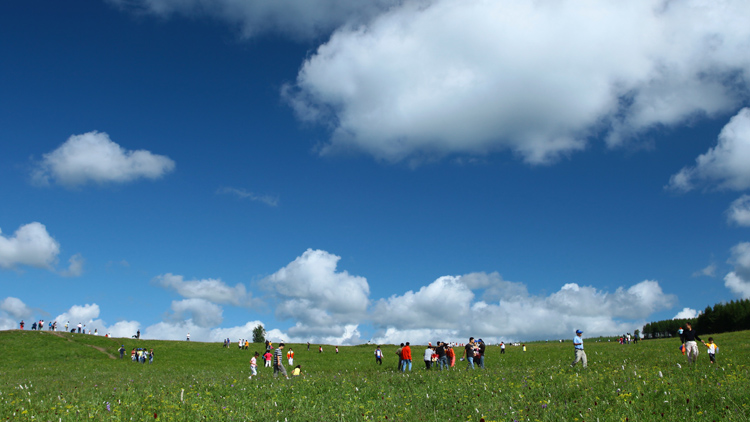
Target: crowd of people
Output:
[(52, 326), (139, 354)]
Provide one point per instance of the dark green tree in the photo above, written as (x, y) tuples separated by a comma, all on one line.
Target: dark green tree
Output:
[(259, 334)]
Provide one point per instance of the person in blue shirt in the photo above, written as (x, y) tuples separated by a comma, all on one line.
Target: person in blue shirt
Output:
[(579, 353)]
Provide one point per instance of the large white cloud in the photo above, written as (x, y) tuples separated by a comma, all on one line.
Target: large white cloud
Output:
[(94, 157), (739, 212), (515, 314), (202, 312), (724, 166), (296, 18), (213, 290), (537, 78), (322, 301), (738, 281), (30, 245)]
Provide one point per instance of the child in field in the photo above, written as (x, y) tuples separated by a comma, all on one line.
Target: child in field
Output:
[(267, 356), (297, 370), (254, 365), (712, 349)]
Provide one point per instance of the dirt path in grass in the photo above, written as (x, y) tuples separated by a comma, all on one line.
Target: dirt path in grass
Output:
[(101, 349)]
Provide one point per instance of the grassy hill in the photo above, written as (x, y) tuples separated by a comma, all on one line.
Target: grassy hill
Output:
[(72, 377)]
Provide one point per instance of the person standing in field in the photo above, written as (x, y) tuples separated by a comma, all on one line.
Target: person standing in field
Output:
[(442, 359), (151, 356), (22, 324), (379, 356), (267, 358), (482, 348), (469, 353), (337, 349), (712, 350), (428, 357), (278, 362), (502, 348), (406, 355), (688, 338), (580, 355), (122, 351), (290, 356), (451, 354)]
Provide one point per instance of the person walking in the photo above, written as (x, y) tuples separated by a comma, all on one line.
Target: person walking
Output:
[(688, 338), (379, 356), (278, 362), (254, 365), (580, 355), (712, 350), (122, 351), (502, 348)]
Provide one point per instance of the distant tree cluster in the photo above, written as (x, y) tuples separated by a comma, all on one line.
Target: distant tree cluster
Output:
[(725, 317), (721, 318), (665, 328)]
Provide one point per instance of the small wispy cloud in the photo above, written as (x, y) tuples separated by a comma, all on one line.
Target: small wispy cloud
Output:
[(269, 200), (709, 271)]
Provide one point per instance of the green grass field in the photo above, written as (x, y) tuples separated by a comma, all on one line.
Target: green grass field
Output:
[(73, 377)]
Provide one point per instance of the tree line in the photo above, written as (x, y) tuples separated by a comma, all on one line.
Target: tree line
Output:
[(721, 318)]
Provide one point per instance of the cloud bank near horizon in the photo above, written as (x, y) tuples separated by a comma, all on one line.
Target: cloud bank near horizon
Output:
[(330, 306)]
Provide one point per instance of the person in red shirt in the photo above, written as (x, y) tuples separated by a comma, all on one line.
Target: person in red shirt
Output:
[(406, 356)]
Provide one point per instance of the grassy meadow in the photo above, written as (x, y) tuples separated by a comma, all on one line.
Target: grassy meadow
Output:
[(74, 377)]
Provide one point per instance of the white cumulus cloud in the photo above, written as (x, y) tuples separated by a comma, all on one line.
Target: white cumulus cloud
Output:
[(536, 78), (513, 314), (739, 212), (724, 166), (687, 313), (738, 281), (322, 301), (12, 312), (201, 312), (94, 158), (213, 290), (30, 245)]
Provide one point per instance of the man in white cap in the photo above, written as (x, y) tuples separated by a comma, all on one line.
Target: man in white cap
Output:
[(580, 354)]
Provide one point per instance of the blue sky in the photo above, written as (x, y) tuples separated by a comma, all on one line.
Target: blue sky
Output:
[(389, 173)]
